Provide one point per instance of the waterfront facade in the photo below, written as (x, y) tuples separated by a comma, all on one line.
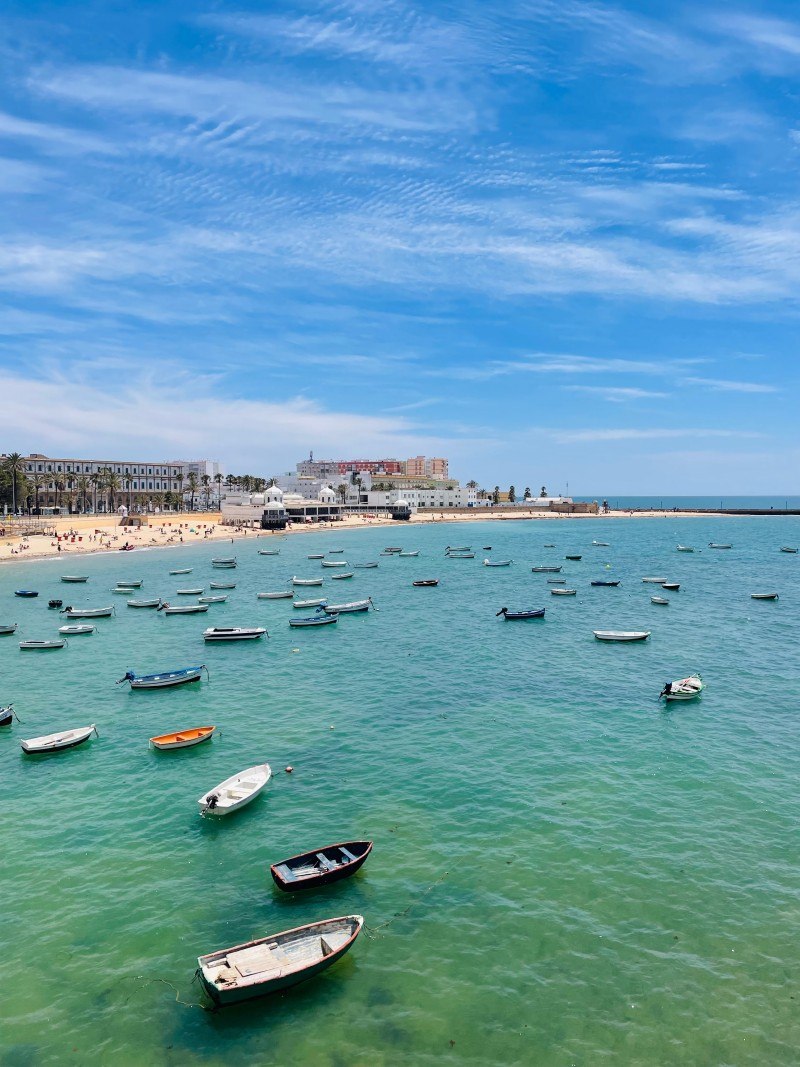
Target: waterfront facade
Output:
[(71, 484)]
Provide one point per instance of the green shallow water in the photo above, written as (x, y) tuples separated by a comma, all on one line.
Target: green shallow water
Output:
[(564, 872)]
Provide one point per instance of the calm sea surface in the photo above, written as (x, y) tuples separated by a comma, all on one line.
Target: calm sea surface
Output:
[(564, 872)]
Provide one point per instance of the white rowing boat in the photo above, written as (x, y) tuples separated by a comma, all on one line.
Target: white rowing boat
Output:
[(307, 581), (75, 631), (224, 561), (190, 592), (621, 635), (654, 581), (659, 600), (235, 792), (182, 570), (74, 577), (497, 563), (234, 633), (316, 603), (54, 742), (763, 596), (213, 599), (88, 613), (222, 585), (684, 689), (183, 609), (153, 602), (563, 592), (348, 609), (334, 563), (41, 646), (8, 627), (284, 594), (182, 738)]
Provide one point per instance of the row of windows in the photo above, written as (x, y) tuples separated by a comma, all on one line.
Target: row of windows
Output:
[(129, 485), (92, 468)]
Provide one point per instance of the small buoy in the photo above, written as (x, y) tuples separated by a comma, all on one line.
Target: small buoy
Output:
[(289, 769), (332, 728), (295, 650)]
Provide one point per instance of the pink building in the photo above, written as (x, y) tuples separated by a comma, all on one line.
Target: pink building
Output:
[(421, 467)]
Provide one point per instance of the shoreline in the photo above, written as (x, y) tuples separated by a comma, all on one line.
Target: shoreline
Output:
[(202, 527)]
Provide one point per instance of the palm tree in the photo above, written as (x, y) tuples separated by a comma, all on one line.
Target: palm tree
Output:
[(112, 484), (496, 495), (38, 481), (158, 501), (59, 484), (95, 478), (341, 491), (169, 499), (206, 480), (512, 494), (83, 487), (179, 479), (472, 484), (14, 466), (543, 492), (218, 480), (192, 483), (527, 493)]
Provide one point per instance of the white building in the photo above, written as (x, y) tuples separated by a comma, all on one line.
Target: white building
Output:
[(460, 497)]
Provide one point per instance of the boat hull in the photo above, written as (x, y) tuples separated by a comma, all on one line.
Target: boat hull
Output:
[(183, 738), (57, 742), (282, 872), (236, 994)]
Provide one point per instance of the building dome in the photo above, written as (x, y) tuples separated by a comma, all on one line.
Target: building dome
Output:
[(274, 505), (273, 493), (327, 495), (401, 504)]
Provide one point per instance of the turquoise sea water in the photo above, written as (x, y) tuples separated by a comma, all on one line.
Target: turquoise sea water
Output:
[(564, 871)]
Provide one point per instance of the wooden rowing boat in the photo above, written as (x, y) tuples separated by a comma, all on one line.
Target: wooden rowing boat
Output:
[(183, 738), (321, 866), (56, 742), (164, 679), (277, 961)]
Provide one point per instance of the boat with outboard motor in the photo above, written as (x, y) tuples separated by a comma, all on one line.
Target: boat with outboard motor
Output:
[(684, 689), (164, 679), (89, 613), (531, 613), (235, 792)]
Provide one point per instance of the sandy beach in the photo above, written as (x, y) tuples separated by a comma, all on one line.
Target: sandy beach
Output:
[(78, 535)]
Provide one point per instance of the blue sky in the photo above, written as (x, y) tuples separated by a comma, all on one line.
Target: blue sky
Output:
[(557, 242)]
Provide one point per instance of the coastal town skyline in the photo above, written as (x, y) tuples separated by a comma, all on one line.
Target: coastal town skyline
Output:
[(559, 237)]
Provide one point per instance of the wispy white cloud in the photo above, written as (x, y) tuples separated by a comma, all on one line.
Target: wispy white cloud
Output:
[(111, 419), (724, 385), (648, 433), (617, 394)]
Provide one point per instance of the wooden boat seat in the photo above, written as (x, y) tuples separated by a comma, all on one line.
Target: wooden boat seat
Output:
[(349, 855), (325, 947), (326, 863), (286, 872), (256, 960), (236, 794)]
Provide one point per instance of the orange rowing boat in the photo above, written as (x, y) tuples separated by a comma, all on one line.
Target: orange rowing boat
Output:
[(183, 738)]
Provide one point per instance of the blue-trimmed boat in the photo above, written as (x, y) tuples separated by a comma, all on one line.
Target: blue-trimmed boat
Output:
[(26, 592), (603, 582), (532, 613), (165, 679), (320, 619)]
